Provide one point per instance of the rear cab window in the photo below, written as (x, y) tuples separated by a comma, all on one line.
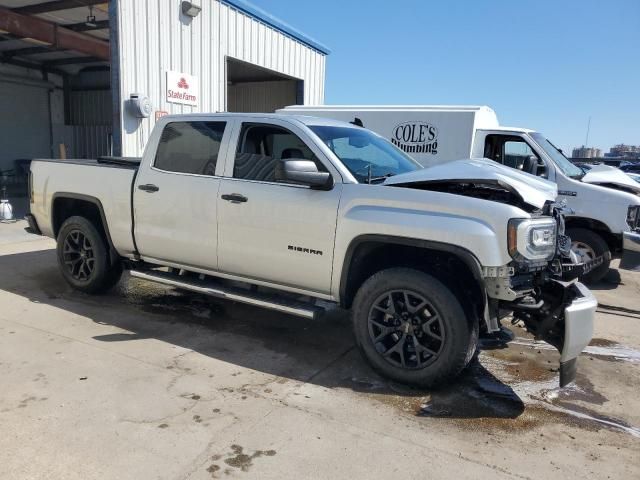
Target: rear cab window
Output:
[(190, 147)]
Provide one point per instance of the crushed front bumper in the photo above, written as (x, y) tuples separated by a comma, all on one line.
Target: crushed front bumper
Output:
[(630, 251), (579, 317), (563, 317)]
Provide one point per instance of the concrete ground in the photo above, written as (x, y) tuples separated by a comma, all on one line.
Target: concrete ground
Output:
[(147, 382)]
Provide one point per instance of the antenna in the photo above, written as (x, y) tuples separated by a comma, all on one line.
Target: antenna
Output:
[(586, 143)]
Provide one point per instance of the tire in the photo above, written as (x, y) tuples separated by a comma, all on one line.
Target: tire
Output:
[(83, 257), (588, 244), (434, 312), (473, 351)]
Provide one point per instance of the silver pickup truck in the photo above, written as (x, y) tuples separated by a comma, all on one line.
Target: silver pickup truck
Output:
[(298, 214)]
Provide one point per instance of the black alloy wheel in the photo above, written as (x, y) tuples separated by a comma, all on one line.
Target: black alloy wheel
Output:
[(78, 255), (406, 329)]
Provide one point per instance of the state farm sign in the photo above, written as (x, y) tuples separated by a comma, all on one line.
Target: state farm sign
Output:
[(182, 88)]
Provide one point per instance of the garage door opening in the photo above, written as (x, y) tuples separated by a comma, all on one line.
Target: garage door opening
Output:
[(55, 91), (255, 89)]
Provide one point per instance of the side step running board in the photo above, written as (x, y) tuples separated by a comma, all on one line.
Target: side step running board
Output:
[(228, 293)]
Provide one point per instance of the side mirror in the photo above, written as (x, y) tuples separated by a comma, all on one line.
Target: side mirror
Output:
[(303, 172)]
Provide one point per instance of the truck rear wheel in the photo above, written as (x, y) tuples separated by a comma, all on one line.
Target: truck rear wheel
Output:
[(588, 245), (411, 328), (83, 257)]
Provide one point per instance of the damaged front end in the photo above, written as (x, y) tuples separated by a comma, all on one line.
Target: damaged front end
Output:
[(540, 288), (540, 285)]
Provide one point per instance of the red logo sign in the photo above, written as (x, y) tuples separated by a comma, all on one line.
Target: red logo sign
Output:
[(183, 84)]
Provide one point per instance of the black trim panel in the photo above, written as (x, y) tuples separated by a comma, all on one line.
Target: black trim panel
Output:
[(91, 162), (463, 254), (33, 225), (93, 200)]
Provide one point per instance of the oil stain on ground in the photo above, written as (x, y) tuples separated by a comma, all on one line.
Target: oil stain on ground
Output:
[(237, 459)]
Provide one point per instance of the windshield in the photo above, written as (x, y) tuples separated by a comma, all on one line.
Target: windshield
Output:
[(563, 163), (365, 154)]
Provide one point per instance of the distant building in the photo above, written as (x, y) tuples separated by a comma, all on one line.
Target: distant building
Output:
[(586, 152), (624, 151)]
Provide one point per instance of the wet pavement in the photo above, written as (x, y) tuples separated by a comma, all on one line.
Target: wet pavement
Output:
[(151, 382)]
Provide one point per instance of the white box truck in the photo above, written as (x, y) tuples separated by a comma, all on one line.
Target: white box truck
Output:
[(605, 218)]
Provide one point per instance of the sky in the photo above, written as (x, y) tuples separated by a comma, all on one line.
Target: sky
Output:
[(548, 65)]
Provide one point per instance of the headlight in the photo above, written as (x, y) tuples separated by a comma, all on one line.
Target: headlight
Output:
[(532, 239), (633, 215)]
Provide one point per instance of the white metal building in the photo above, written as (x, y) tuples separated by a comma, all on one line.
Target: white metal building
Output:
[(69, 67)]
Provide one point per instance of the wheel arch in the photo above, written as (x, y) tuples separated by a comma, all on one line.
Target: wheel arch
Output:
[(613, 241), (368, 254), (67, 204)]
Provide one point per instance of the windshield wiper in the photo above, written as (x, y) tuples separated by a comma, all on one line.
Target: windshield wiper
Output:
[(381, 178)]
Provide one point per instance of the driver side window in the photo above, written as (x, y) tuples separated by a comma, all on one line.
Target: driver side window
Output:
[(513, 152), (517, 154), (261, 146)]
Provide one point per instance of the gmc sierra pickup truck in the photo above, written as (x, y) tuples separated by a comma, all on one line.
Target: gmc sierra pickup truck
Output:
[(299, 214)]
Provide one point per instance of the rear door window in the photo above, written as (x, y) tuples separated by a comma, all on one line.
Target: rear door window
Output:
[(190, 147)]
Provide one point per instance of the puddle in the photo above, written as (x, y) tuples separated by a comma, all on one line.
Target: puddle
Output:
[(559, 400), (601, 348), (479, 394), (582, 390), (589, 416), (159, 299), (511, 389)]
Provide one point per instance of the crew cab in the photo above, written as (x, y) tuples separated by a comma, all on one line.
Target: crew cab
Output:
[(300, 214)]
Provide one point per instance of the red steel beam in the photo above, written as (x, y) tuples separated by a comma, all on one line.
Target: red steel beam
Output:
[(56, 35)]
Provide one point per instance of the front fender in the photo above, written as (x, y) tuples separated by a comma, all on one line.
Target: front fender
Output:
[(464, 233)]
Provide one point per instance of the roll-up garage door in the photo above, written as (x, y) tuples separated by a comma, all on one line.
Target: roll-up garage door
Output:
[(24, 122)]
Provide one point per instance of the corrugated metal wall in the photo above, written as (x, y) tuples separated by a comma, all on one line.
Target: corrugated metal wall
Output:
[(90, 107), (261, 96), (155, 37), (86, 141)]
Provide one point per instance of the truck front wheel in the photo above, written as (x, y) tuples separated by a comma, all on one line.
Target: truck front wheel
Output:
[(83, 257), (411, 328), (588, 245)]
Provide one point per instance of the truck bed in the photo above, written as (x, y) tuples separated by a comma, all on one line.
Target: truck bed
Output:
[(105, 182)]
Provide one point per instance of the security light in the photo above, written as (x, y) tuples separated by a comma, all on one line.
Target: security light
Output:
[(190, 9)]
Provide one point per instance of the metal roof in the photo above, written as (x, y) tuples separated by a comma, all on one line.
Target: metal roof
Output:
[(274, 22)]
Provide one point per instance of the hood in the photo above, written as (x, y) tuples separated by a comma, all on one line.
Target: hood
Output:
[(611, 177), (481, 172)]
